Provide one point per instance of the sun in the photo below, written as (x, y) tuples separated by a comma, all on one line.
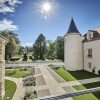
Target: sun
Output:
[(46, 7)]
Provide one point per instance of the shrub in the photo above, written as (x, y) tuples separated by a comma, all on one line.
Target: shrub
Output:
[(93, 70), (25, 57), (30, 57), (29, 81), (98, 72), (8, 67), (30, 95)]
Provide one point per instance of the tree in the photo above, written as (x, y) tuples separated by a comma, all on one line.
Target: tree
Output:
[(51, 50), (12, 44), (28, 49), (21, 50), (39, 47), (15, 36), (60, 48)]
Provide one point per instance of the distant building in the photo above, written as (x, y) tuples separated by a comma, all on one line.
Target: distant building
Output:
[(2, 66), (82, 52)]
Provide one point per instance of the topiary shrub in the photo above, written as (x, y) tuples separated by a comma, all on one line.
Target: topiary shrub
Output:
[(98, 72), (25, 57), (93, 71), (30, 57)]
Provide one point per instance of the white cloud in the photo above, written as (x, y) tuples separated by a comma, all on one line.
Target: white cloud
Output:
[(8, 5), (7, 25)]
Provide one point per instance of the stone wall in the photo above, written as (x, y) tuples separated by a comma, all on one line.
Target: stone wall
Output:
[(95, 59), (2, 68)]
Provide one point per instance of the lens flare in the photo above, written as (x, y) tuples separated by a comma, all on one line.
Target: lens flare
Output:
[(46, 8)]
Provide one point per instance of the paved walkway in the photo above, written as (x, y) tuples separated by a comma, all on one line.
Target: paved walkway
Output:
[(48, 82), (19, 93), (79, 82), (51, 83), (52, 86)]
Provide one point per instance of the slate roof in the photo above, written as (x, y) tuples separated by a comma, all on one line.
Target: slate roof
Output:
[(96, 36), (72, 28)]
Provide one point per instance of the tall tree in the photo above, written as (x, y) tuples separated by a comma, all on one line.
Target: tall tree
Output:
[(21, 50), (51, 50), (39, 47), (12, 44), (60, 47)]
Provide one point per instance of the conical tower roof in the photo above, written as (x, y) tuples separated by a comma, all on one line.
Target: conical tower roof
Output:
[(72, 27)]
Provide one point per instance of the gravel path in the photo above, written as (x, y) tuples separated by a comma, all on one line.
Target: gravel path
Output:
[(37, 71)]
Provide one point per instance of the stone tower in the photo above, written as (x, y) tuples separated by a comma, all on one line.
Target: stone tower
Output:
[(73, 48), (3, 41)]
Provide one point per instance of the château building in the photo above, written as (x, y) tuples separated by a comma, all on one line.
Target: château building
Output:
[(82, 51)]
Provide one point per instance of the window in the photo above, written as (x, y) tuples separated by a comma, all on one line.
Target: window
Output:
[(89, 35), (90, 65), (90, 53)]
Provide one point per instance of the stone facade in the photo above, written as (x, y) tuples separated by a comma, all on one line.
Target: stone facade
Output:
[(2, 66), (82, 52), (73, 48), (73, 52), (92, 52)]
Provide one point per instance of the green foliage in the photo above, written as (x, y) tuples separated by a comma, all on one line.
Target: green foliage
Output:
[(12, 44), (98, 72), (30, 95), (60, 48), (16, 73), (21, 50), (39, 47), (29, 81), (28, 49), (50, 50), (10, 88), (25, 57), (30, 57)]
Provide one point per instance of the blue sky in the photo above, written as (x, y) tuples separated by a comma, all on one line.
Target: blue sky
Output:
[(25, 19)]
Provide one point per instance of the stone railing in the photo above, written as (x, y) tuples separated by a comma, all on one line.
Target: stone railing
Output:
[(67, 95)]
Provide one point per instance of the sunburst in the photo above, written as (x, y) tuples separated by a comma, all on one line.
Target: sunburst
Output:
[(46, 7)]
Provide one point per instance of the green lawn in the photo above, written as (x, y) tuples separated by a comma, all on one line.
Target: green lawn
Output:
[(15, 73), (75, 75), (89, 96), (82, 74), (10, 88), (71, 77), (90, 85), (65, 74)]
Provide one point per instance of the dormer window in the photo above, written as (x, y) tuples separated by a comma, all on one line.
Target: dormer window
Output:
[(89, 35)]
